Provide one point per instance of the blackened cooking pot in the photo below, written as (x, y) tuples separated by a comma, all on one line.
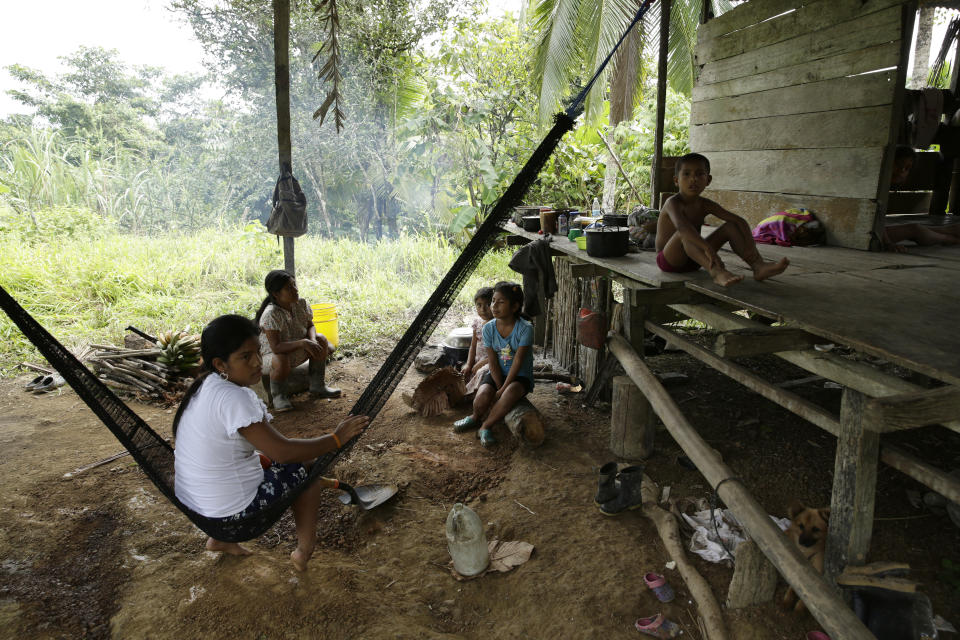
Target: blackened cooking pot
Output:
[(607, 242), (531, 223)]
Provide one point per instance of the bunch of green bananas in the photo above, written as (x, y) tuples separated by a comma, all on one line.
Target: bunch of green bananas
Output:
[(180, 350)]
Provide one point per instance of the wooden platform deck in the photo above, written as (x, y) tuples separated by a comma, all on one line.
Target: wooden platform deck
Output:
[(901, 307)]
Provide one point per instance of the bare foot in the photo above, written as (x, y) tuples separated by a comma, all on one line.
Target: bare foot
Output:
[(765, 269), (725, 279), (233, 548), (300, 558)]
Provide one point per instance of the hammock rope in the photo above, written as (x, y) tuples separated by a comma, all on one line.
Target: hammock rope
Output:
[(155, 456)]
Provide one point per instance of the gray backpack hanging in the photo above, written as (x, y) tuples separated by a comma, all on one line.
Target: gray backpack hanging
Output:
[(289, 214)]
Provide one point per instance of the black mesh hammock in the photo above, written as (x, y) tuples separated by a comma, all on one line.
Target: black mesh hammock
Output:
[(155, 455)]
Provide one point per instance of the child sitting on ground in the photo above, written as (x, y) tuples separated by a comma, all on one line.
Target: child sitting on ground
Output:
[(476, 364), (219, 427), (681, 248), (508, 340)]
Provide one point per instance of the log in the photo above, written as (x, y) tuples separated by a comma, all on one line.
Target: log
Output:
[(824, 604), (753, 342), (666, 524), (526, 423), (754, 578), (631, 421)]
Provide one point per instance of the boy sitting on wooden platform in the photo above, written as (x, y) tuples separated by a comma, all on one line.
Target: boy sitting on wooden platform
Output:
[(681, 248)]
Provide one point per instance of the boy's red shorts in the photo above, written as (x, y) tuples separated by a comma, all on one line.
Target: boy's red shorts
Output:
[(669, 268)]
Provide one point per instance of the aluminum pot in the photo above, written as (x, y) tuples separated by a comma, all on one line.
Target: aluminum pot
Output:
[(531, 223), (607, 242)]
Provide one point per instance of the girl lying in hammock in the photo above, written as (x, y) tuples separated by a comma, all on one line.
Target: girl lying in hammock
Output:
[(218, 428)]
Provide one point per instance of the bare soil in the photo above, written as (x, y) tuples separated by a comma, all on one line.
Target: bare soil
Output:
[(103, 555)]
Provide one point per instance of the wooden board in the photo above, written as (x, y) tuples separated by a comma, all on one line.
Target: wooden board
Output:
[(847, 173), (809, 18), (937, 281), (743, 16), (641, 267), (880, 56), (912, 328), (869, 90), (845, 128), (848, 220), (876, 28)]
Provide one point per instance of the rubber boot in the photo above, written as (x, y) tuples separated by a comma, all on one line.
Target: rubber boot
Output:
[(318, 385), (607, 486), (629, 497), (278, 391)]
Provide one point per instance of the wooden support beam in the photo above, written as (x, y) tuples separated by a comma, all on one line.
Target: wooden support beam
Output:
[(854, 488), (919, 470), (654, 296), (943, 483), (631, 421), (787, 399), (588, 270), (754, 342), (828, 609), (754, 578), (915, 409), (855, 375)]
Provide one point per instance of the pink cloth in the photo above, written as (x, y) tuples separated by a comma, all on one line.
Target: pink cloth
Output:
[(780, 227)]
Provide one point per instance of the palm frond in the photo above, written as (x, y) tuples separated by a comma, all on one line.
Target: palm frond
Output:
[(330, 70), (604, 23), (556, 51)]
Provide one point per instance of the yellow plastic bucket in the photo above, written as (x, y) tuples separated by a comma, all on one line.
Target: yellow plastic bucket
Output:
[(325, 320)]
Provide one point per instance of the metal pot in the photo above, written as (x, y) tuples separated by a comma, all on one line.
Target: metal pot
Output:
[(531, 223), (615, 219), (607, 242)]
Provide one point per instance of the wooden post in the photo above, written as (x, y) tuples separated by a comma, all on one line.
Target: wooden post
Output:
[(281, 57), (655, 186), (828, 609), (754, 578), (854, 487), (631, 421)]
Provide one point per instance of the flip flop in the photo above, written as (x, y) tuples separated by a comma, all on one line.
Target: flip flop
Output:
[(657, 626), (486, 437), (464, 424), (30, 386)]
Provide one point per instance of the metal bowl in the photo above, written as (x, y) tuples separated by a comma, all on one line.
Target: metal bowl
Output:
[(459, 338)]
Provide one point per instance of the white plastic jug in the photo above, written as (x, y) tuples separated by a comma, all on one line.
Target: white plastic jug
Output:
[(466, 541)]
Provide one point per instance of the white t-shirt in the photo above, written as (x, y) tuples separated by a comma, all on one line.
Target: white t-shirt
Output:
[(217, 469)]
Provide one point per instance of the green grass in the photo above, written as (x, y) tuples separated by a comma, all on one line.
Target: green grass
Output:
[(89, 287)]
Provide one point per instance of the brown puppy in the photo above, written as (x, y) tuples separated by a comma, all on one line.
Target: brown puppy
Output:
[(808, 530)]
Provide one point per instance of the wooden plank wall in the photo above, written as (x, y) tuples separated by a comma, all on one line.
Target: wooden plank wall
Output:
[(793, 106)]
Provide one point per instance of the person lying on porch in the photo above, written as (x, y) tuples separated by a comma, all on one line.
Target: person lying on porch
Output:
[(681, 248), (922, 234), (288, 338)]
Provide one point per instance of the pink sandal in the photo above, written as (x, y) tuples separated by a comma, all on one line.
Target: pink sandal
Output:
[(657, 626), (660, 587)]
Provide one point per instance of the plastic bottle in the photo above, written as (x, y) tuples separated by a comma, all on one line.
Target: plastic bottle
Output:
[(466, 541), (595, 210), (563, 226)]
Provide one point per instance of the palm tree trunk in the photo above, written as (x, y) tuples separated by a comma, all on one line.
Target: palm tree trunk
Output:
[(921, 56), (623, 88)]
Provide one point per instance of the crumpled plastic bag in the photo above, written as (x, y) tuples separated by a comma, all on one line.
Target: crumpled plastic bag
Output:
[(704, 541)]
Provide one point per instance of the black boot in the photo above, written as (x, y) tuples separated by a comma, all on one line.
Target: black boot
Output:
[(629, 497), (607, 486), (318, 385)]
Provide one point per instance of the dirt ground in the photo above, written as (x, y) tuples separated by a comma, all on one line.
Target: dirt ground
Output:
[(103, 555)]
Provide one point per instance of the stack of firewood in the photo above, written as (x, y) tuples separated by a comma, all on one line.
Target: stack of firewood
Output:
[(136, 371)]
